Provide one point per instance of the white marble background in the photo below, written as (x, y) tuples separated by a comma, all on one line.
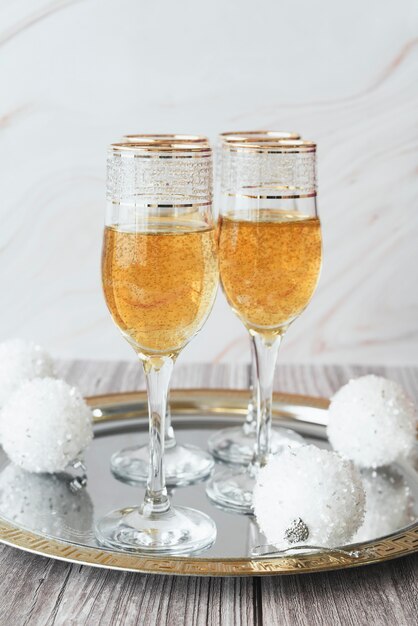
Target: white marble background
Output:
[(76, 74)]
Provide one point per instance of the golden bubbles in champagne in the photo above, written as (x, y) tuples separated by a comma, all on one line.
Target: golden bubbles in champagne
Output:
[(269, 262), (160, 283)]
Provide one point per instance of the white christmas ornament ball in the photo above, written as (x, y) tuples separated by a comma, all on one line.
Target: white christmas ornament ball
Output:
[(309, 496), (21, 360), (372, 421), (44, 425)]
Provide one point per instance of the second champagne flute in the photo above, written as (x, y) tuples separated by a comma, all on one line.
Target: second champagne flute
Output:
[(235, 444), (160, 276), (270, 259)]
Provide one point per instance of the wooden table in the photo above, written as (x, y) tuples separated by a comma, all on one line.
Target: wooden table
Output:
[(38, 591)]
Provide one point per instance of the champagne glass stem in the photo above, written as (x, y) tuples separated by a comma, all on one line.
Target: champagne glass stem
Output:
[(250, 422), (170, 438), (266, 350), (157, 374)]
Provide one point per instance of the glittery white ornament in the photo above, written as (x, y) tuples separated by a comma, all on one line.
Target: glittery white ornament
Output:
[(389, 503), (44, 425), (45, 503), (372, 421), (20, 361), (309, 496)]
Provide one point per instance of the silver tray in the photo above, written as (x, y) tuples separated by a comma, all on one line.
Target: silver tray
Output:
[(40, 514)]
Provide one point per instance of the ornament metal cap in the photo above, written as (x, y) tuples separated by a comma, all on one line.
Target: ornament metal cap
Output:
[(297, 531)]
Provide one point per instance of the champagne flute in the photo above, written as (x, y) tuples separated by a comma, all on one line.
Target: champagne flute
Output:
[(236, 443), (184, 463), (270, 259), (160, 276)]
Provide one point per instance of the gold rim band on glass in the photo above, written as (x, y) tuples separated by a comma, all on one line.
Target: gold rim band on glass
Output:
[(245, 136), (271, 146), (295, 196), (157, 138), (153, 146), (153, 205)]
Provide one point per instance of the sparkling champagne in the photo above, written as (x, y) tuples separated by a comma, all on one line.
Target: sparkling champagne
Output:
[(160, 282), (269, 263)]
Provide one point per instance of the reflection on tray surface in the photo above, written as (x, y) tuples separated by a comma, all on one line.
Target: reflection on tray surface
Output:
[(389, 503), (45, 503)]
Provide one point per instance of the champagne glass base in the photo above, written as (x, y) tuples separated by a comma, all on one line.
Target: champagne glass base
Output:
[(180, 530), (235, 445), (232, 489), (183, 465)]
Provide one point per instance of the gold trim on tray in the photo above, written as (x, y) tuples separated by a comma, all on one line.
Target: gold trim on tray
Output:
[(401, 544), (211, 402)]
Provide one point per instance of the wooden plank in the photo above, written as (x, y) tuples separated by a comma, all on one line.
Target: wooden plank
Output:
[(36, 590), (377, 595)]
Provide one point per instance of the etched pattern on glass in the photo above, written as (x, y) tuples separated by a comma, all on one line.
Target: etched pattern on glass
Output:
[(144, 179), (282, 171)]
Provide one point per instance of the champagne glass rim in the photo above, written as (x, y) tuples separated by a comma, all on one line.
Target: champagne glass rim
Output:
[(163, 138), (150, 146), (272, 146), (241, 136)]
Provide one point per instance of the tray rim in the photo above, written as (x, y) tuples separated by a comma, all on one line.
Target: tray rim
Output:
[(393, 546)]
